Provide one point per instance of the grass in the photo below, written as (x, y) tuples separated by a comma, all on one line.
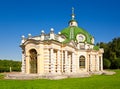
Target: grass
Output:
[(1, 76), (94, 82)]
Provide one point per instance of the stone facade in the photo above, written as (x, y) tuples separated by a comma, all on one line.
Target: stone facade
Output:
[(69, 52)]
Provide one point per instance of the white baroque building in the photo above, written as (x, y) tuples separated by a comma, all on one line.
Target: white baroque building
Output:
[(71, 51)]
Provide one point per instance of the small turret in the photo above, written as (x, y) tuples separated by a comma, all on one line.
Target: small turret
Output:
[(73, 22), (52, 35), (23, 39), (42, 35), (29, 36)]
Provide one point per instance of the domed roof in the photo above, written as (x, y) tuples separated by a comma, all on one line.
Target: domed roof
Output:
[(71, 33)]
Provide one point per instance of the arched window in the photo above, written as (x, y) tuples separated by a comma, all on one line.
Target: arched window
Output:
[(82, 62), (33, 61)]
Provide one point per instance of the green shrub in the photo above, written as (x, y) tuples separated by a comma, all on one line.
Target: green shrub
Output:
[(106, 63), (115, 63)]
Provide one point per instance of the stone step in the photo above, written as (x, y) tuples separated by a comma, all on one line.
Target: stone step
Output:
[(49, 76)]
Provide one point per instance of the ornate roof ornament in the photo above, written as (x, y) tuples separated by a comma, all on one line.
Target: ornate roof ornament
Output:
[(73, 22), (42, 31), (73, 15)]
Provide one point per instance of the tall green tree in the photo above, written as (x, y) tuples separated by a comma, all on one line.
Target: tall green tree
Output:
[(111, 52)]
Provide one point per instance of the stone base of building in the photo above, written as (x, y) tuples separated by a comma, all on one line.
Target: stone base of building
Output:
[(54, 76)]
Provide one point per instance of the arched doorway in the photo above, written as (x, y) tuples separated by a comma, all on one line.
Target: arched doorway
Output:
[(33, 61), (82, 61)]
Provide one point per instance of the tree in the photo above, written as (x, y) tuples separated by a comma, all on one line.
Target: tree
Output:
[(6, 64), (106, 63), (111, 52), (116, 64)]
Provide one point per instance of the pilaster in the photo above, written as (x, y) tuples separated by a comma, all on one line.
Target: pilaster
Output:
[(66, 57), (38, 63), (52, 60), (90, 62), (23, 62), (97, 63), (73, 63), (101, 63), (58, 61), (27, 64)]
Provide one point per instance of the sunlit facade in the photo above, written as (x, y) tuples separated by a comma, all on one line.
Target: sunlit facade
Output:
[(71, 51)]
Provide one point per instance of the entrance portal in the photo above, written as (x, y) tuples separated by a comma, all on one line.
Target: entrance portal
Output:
[(33, 61)]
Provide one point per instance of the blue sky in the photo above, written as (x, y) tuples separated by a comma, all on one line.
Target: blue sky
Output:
[(101, 18)]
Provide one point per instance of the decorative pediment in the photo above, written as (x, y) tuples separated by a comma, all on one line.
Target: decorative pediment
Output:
[(72, 43)]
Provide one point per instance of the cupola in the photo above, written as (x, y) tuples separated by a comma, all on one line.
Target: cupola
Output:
[(73, 22)]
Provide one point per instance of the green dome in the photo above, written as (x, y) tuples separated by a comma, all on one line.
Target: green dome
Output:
[(72, 31)]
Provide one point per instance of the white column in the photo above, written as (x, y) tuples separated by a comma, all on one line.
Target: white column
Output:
[(97, 64), (52, 60), (27, 64), (101, 63), (87, 59), (38, 64), (69, 64), (55, 61), (94, 63), (66, 57), (58, 61), (73, 63), (23, 62), (90, 62), (62, 63), (49, 60)]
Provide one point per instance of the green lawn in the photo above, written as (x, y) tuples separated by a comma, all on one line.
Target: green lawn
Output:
[(1, 76), (94, 82)]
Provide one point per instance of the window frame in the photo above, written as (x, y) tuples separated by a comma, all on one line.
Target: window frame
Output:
[(82, 61)]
